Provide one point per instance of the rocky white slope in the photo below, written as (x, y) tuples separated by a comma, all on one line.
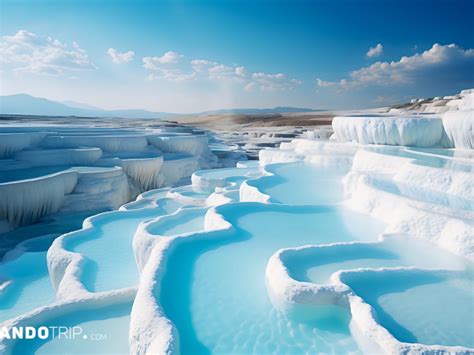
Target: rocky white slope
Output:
[(47, 170), (443, 122)]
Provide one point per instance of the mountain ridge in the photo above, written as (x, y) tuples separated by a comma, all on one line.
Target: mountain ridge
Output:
[(24, 104)]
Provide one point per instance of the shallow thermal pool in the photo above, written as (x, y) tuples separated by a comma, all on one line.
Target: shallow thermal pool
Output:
[(215, 293), (413, 306), (108, 247), (435, 158), (30, 284), (319, 263), (102, 331), (300, 183), (181, 222)]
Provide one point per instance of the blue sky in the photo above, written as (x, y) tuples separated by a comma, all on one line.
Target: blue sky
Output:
[(187, 56)]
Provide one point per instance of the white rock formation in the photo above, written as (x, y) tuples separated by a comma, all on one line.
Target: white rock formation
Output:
[(459, 128), (14, 142), (388, 130), (24, 202), (51, 157), (196, 145), (133, 165), (144, 171), (108, 143)]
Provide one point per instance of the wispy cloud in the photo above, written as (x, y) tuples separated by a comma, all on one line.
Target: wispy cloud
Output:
[(28, 52), (204, 69), (272, 82), (167, 58), (375, 51), (325, 84), (120, 57), (224, 72), (440, 63), (199, 65), (171, 75), (165, 67)]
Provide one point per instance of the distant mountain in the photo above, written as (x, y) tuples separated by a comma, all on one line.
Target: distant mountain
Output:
[(23, 104), (80, 105)]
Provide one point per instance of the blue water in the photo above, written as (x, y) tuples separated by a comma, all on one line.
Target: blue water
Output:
[(226, 173), (191, 193), (106, 330), (300, 183), (318, 264), (228, 177), (431, 158), (108, 248), (214, 290), (423, 308), (31, 286), (184, 221)]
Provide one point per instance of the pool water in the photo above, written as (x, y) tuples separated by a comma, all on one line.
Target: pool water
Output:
[(187, 193), (215, 293), (399, 250), (31, 286), (428, 157), (300, 183), (108, 248), (103, 331), (413, 306), (183, 221)]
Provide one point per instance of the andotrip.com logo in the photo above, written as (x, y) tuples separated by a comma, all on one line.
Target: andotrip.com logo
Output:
[(49, 332)]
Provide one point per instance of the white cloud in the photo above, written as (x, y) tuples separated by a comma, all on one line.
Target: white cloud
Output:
[(165, 67), (250, 86), (325, 84), (272, 82), (28, 52), (223, 72), (149, 63), (171, 75), (220, 71), (199, 65), (203, 69), (439, 64), (241, 72), (170, 58), (120, 58), (202, 62), (375, 51), (168, 67), (167, 58)]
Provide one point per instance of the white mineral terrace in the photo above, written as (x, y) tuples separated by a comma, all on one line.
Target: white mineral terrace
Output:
[(361, 243), (76, 169)]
